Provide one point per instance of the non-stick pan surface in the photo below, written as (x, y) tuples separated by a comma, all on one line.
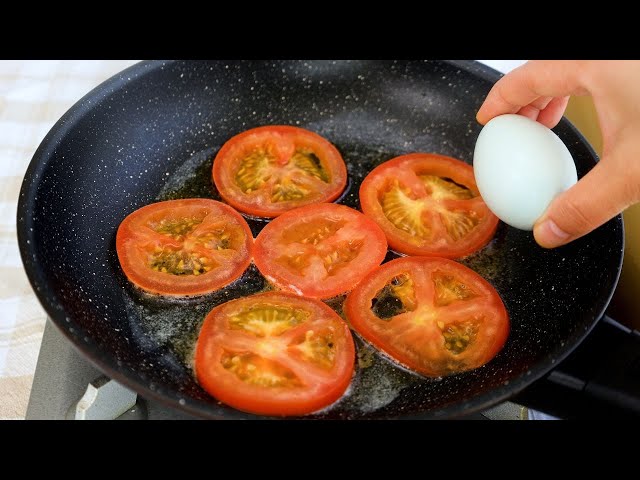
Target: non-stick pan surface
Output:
[(150, 133)]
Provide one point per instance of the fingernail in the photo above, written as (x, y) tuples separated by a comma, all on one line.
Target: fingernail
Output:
[(549, 235)]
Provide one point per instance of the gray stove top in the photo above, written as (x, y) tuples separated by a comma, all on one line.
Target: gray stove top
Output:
[(61, 380)]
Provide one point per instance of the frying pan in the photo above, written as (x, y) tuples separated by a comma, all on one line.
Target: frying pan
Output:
[(150, 133)]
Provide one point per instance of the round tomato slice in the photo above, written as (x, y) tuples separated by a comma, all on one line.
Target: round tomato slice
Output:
[(428, 205), (319, 251), (433, 315), (269, 170), (275, 354), (184, 247)]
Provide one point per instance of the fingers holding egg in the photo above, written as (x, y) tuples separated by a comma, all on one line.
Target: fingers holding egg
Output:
[(520, 166)]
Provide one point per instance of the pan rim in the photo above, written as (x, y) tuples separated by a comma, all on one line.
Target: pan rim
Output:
[(172, 398)]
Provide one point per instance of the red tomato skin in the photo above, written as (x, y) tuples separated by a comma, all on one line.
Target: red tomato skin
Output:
[(171, 285), (232, 392), (372, 254), (357, 308), (244, 203), (436, 164)]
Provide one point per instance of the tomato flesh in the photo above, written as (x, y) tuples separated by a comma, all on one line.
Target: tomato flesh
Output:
[(267, 171), (275, 354), (184, 247), (433, 315), (428, 205), (319, 251)]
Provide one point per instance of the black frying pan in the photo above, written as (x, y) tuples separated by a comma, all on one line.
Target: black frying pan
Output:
[(150, 133)]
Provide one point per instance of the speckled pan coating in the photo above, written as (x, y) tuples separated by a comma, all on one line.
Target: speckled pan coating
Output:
[(150, 132)]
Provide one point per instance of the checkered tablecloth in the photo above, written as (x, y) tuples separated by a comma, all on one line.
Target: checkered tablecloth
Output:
[(33, 96)]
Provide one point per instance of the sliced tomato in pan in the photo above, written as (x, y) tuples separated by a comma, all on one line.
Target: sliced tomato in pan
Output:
[(433, 315), (428, 205), (319, 250), (269, 170), (275, 354), (184, 247)]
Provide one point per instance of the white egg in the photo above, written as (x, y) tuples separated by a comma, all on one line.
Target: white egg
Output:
[(520, 166)]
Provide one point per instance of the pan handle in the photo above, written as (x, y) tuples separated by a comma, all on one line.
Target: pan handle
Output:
[(600, 378)]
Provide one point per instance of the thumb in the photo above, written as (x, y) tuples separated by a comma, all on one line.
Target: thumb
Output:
[(597, 197)]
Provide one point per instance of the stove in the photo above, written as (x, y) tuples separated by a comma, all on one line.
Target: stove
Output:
[(66, 386)]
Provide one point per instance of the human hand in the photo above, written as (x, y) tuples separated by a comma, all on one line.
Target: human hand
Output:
[(540, 90)]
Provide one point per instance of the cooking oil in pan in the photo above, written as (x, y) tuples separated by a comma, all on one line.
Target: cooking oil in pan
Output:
[(174, 324)]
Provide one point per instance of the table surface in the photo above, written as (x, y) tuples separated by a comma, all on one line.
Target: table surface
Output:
[(33, 96)]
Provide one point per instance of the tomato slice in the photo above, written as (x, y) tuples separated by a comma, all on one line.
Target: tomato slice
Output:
[(428, 205), (275, 354), (267, 171), (184, 247), (433, 315), (319, 251)]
